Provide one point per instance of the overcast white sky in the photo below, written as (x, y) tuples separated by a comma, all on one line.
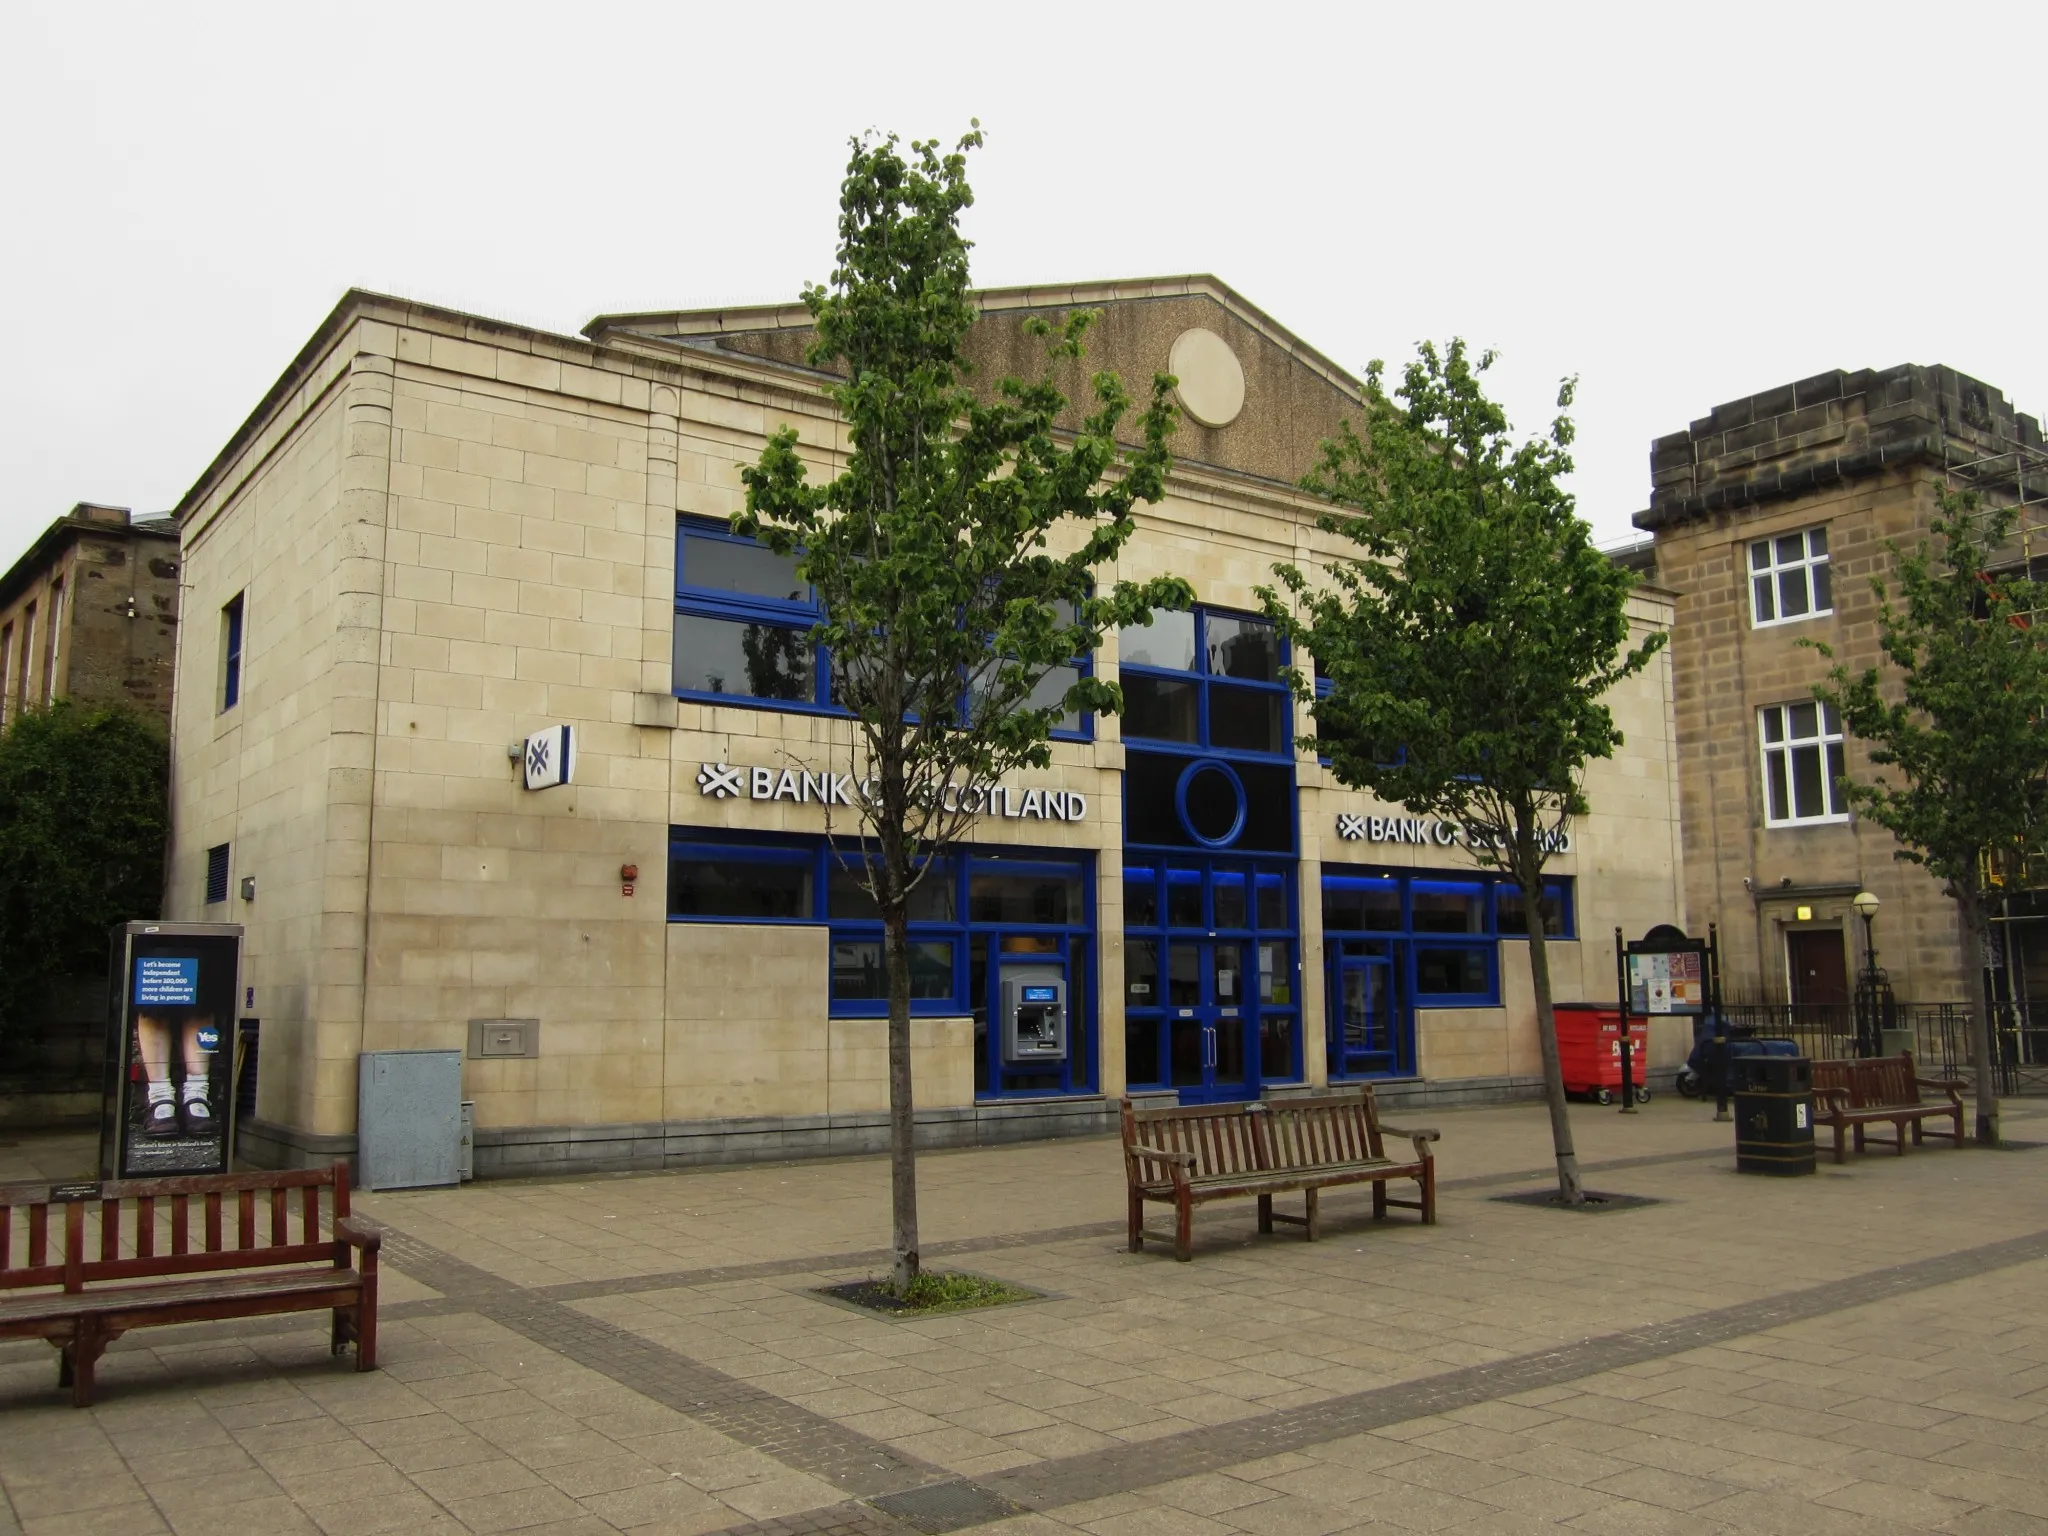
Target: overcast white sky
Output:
[(1680, 204)]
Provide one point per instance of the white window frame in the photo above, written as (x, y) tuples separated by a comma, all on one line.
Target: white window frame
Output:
[(1775, 569), (1828, 742)]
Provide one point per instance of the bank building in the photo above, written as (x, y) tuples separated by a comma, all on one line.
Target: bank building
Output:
[(447, 558)]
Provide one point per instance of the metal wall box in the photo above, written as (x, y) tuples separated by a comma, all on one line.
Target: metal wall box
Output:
[(465, 1157), (497, 1039), (408, 1119)]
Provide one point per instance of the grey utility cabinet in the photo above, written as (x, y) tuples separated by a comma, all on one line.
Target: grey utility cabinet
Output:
[(408, 1119)]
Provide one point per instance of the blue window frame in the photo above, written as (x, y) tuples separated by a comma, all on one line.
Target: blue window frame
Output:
[(231, 654), (743, 624), (1185, 904), (1208, 680), (973, 912), (1448, 925), (743, 630)]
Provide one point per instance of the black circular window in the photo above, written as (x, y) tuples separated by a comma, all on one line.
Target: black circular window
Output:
[(1210, 799)]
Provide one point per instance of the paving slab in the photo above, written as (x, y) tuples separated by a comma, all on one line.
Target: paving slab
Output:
[(1861, 1350)]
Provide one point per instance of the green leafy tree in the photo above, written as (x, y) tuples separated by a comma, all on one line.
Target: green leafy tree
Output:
[(954, 554), (1964, 724), (1468, 643), (83, 818)]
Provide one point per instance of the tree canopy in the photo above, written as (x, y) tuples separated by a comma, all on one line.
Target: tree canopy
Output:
[(956, 553), (83, 820), (1467, 644)]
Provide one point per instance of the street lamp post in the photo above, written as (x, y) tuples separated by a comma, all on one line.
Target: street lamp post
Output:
[(1870, 989)]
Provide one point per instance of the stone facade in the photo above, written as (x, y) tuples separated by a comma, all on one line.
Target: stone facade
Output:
[(449, 532), (1863, 456), (90, 612)]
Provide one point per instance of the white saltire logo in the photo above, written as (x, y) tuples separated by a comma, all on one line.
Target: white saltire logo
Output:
[(721, 781)]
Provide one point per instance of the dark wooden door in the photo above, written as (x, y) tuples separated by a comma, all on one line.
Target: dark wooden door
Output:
[(1820, 970)]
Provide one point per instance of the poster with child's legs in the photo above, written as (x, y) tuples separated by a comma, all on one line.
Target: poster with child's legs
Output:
[(178, 1057)]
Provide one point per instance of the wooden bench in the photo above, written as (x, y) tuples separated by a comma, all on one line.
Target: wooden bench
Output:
[(1851, 1096), (1187, 1157), (139, 1252)]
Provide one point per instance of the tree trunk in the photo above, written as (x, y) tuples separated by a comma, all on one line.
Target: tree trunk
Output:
[(902, 1125), (1969, 905), (1569, 1189)]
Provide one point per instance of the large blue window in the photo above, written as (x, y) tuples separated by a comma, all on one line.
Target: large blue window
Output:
[(743, 623), (743, 630), (1205, 679), (1448, 925), (973, 913)]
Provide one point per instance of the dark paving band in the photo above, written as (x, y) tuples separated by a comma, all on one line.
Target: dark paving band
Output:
[(1075, 1479)]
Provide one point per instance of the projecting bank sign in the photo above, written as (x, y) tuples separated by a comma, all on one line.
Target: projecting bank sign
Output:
[(718, 781)]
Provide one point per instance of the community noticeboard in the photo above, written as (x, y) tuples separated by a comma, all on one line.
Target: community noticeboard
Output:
[(1673, 982), (169, 1101)]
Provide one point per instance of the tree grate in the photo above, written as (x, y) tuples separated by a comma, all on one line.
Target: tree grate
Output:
[(953, 1506), (1598, 1203)]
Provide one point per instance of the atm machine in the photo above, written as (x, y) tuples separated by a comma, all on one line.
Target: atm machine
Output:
[(1034, 999)]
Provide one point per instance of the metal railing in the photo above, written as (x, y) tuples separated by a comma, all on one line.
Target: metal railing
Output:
[(1938, 1034)]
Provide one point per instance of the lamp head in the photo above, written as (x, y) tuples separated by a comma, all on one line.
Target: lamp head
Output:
[(1865, 904)]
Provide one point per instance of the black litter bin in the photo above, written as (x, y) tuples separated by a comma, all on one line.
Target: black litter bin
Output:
[(1773, 1114)]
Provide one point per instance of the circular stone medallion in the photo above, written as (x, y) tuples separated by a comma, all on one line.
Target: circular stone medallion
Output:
[(1211, 387)]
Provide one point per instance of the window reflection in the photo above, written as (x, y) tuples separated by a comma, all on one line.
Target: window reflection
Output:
[(1167, 642)]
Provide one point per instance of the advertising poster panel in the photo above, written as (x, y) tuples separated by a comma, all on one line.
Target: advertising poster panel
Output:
[(170, 1095)]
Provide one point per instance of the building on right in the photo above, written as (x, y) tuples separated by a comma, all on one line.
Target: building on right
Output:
[(1769, 517)]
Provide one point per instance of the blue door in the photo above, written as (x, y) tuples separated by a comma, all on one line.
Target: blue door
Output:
[(1365, 1016), (1205, 1021)]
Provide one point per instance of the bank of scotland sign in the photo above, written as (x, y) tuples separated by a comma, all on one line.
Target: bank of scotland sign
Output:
[(551, 757)]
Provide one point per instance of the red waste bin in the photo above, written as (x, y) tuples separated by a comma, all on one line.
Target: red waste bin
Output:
[(1589, 1050)]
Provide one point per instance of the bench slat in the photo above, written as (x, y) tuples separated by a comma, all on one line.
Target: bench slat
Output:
[(245, 1219), (110, 1229), (213, 1233), (181, 1224), (38, 1236), (145, 1226)]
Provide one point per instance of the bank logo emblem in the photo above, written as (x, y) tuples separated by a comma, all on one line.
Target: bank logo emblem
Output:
[(1351, 826), (717, 780), (550, 757)]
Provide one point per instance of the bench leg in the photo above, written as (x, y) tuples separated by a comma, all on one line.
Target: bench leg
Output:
[(340, 1329), (1315, 1215), (366, 1325), (84, 1357), (1136, 1222), (1919, 1133), (1898, 1138), (1428, 1184), (1183, 1229), (1379, 1199), (1841, 1152), (1266, 1213)]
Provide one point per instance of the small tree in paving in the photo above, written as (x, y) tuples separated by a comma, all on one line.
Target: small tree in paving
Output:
[(1466, 647), (1965, 726), (83, 818), (947, 607)]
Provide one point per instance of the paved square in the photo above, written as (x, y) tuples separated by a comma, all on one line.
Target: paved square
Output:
[(1860, 1351)]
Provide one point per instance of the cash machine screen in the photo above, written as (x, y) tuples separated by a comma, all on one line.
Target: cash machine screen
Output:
[(1041, 995)]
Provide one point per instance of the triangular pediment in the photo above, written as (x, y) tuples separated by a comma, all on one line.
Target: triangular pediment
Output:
[(1255, 399)]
